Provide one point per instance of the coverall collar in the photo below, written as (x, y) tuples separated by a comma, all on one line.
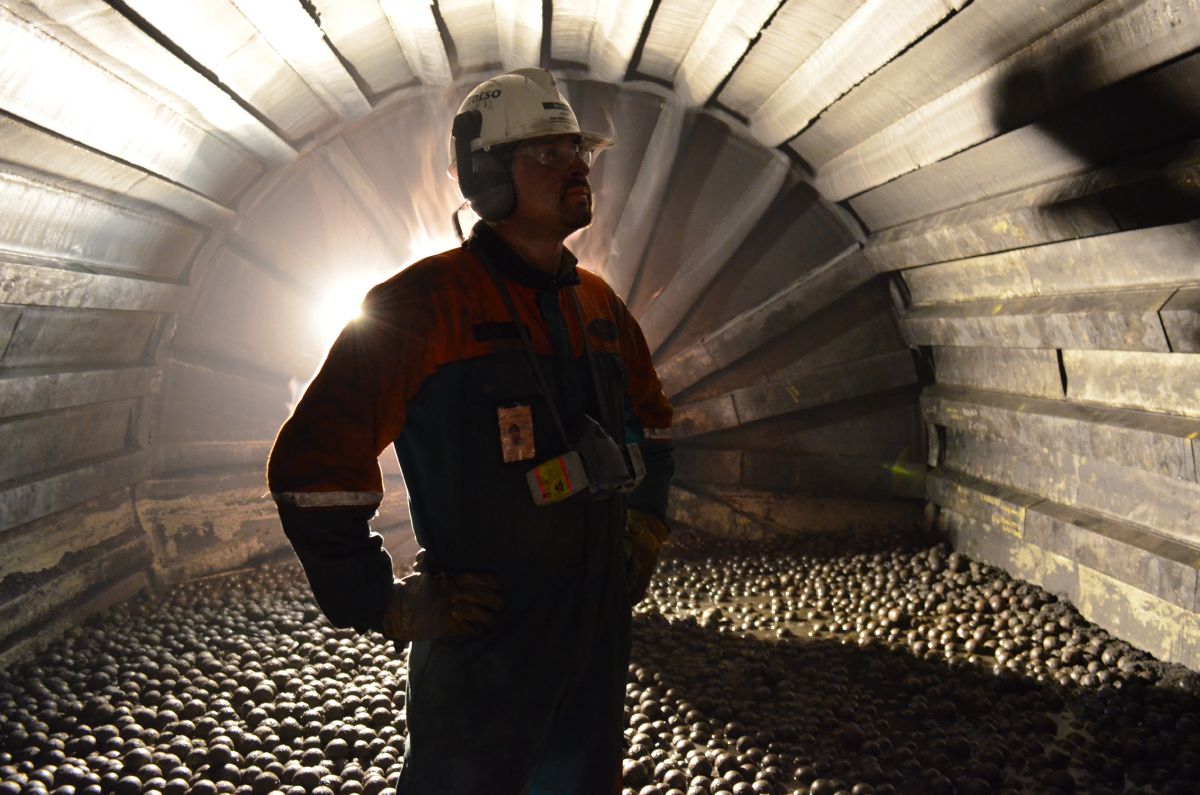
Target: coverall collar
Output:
[(514, 268)]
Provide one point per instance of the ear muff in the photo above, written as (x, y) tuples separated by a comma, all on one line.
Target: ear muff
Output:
[(483, 178)]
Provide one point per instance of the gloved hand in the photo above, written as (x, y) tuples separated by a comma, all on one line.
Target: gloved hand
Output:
[(427, 606), (644, 535)]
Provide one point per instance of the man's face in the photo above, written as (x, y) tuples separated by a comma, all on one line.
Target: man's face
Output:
[(551, 183)]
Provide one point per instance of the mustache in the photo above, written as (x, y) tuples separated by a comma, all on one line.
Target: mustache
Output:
[(578, 183)]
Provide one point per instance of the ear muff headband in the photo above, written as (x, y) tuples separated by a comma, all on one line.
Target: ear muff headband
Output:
[(483, 178)]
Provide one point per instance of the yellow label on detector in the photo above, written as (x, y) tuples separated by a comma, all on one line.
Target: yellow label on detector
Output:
[(554, 481)]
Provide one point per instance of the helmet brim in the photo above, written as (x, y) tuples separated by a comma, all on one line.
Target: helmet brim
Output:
[(597, 142)]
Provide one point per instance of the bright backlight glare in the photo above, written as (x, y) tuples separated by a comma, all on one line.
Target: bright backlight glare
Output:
[(341, 303)]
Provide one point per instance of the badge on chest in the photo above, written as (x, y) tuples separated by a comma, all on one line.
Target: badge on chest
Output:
[(515, 424)]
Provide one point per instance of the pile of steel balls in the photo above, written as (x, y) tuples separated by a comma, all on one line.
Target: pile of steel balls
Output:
[(807, 666)]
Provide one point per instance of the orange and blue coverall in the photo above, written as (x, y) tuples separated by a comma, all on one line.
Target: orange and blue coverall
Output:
[(535, 706)]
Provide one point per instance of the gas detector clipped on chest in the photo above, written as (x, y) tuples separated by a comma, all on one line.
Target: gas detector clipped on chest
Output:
[(595, 465)]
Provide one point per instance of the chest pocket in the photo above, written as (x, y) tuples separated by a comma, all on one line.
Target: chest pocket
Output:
[(506, 414), (602, 330)]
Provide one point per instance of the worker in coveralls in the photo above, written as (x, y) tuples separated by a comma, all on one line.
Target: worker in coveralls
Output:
[(533, 434)]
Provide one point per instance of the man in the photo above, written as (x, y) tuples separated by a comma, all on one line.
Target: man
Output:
[(534, 439)]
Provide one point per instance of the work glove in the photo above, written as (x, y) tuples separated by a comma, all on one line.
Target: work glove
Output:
[(644, 535), (426, 606)]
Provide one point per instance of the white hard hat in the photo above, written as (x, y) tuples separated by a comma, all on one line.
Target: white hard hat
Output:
[(519, 105)]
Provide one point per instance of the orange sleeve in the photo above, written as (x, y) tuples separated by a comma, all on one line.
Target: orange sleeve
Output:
[(327, 453)]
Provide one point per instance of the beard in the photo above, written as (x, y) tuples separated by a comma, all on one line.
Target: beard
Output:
[(576, 214), (576, 217)]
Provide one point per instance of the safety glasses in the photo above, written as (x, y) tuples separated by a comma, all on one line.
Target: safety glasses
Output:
[(558, 154)]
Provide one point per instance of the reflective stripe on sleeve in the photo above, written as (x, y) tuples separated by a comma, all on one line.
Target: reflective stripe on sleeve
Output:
[(661, 434), (327, 499)]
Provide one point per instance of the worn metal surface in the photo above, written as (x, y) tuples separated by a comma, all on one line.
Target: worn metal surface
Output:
[(42, 544), (798, 29), (996, 506), (695, 48), (1162, 628), (882, 424), (751, 514), (1181, 320), (416, 29), (519, 30), (59, 158), (360, 31), (630, 185), (27, 499), (40, 442), (74, 612), (226, 42), (253, 318), (183, 457), (1166, 382), (101, 230), (42, 68), (31, 281), (399, 155), (876, 374), (1157, 188), (1131, 613), (763, 323), (204, 523), (858, 325), (1024, 371), (701, 512), (1108, 321), (876, 334), (712, 213), (313, 219), (203, 404), (1056, 573), (9, 315), (1162, 567), (720, 43), (1161, 503), (1128, 118), (1104, 44), (65, 588), (870, 37), (796, 235), (836, 475), (1159, 566), (605, 40), (1154, 442), (1128, 260), (53, 337), (704, 465), (813, 474), (871, 335), (704, 416), (797, 513), (130, 56), (989, 226), (982, 34)]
